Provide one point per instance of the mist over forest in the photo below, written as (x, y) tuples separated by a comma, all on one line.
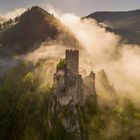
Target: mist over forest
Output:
[(45, 94)]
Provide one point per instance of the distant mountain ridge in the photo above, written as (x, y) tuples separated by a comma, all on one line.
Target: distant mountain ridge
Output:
[(113, 15), (37, 25), (124, 23)]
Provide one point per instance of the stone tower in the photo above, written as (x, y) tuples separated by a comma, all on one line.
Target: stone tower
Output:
[(70, 92), (67, 80), (72, 62)]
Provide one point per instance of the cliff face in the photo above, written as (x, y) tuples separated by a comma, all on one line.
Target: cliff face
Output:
[(69, 94)]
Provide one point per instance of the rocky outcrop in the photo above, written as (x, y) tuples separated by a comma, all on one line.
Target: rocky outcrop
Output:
[(106, 92), (69, 94)]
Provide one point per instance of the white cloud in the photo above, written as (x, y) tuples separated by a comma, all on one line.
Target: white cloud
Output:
[(12, 14)]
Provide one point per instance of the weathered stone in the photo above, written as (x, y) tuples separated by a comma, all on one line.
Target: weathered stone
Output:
[(69, 93)]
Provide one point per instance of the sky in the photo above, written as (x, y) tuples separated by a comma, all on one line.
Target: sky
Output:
[(79, 7)]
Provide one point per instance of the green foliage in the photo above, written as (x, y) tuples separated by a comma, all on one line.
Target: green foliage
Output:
[(61, 63), (22, 105), (31, 134), (29, 77), (25, 112)]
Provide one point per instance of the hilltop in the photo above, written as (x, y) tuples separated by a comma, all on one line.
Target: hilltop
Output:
[(33, 27), (36, 26), (123, 23), (72, 107)]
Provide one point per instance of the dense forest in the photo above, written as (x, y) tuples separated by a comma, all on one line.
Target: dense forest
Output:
[(24, 112), (25, 100)]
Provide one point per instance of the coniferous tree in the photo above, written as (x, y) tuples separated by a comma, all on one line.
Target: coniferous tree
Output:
[(10, 21), (4, 25), (0, 26), (17, 19)]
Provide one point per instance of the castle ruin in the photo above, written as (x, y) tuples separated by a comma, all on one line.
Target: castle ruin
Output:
[(72, 61), (67, 80), (70, 91)]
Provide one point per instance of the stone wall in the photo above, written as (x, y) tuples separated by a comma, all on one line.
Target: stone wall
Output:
[(72, 61)]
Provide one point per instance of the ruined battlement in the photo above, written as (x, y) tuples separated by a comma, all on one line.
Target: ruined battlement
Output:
[(68, 83), (72, 51), (72, 61)]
